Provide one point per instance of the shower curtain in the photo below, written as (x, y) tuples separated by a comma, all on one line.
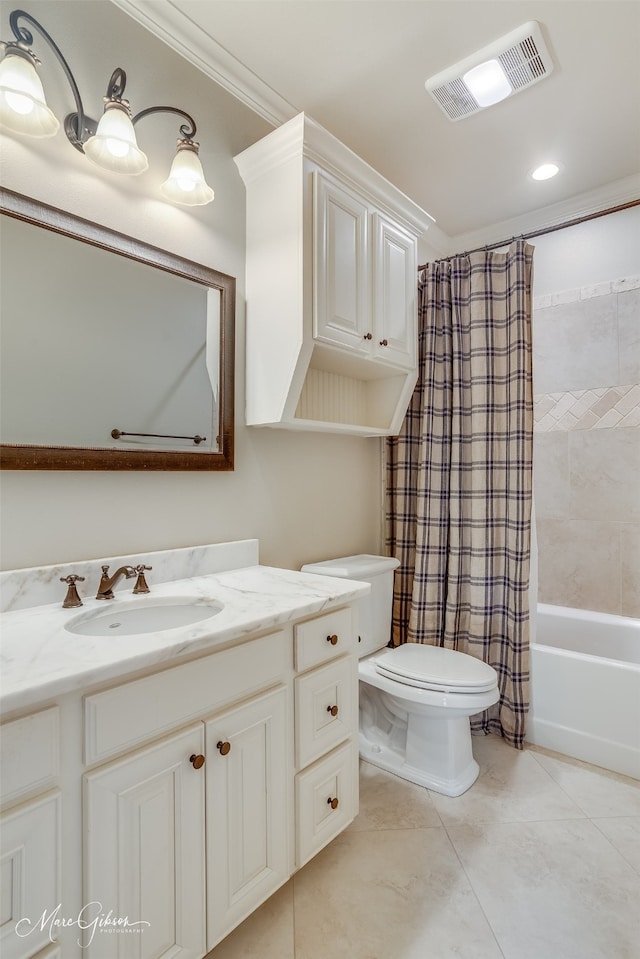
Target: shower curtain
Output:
[(459, 483)]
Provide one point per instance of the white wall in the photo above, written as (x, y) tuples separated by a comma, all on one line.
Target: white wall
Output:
[(305, 496)]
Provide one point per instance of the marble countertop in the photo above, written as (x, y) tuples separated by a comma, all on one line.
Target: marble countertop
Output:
[(41, 660)]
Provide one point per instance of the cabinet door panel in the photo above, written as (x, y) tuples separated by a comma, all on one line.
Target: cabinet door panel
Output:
[(144, 853), (247, 810), (395, 293), (30, 876), (341, 307)]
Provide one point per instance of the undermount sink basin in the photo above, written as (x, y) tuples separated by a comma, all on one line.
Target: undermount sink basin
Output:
[(143, 616)]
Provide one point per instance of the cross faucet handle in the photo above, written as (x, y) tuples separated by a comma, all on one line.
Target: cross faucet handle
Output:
[(141, 583), (72, 599)]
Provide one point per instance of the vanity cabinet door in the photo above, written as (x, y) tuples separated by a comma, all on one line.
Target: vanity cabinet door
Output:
[(248, 808), (144, 852), (341, 266)]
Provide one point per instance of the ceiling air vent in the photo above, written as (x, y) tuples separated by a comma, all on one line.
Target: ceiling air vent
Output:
[(520, 59)]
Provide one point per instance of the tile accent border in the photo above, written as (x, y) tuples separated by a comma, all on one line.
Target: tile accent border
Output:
[(605, 408), (621, 285)]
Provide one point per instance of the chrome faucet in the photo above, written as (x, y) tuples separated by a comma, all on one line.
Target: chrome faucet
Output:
[(105, 589)]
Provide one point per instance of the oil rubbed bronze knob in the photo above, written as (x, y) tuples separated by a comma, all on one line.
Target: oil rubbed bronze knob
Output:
[(368, 336), (223, 747), (196, 760), (332, 802), (332, 639), (383, 343), (333, 710)]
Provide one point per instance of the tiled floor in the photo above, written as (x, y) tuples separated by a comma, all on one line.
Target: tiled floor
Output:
[(540, 859)]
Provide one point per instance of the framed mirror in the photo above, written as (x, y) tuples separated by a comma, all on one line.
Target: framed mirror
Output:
[(115, 355)]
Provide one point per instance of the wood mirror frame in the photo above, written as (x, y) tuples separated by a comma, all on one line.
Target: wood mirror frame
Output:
[(41, 457)]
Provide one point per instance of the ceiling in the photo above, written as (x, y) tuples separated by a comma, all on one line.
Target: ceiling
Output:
[(358, 67)]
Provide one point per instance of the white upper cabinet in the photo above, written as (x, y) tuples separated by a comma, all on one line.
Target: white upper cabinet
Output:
[(331, 286)]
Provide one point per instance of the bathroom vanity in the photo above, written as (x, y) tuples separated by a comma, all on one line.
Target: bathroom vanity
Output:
[(159, 784)]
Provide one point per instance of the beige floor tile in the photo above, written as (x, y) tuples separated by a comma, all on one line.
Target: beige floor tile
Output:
[(624, 833), (387, 802), (552, 890), (267, 933), (393, 894), (598, 792), (511, 787)]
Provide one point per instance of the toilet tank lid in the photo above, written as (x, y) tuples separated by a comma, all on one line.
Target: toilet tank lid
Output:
[(354, 567)]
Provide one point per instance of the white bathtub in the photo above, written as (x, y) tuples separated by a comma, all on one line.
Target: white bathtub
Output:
[(585, 687)]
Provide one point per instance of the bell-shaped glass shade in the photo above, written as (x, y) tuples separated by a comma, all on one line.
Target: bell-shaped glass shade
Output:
[(186, 183), (114, 145), (23, 108)]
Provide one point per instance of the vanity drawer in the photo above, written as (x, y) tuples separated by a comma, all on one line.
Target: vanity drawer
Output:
[(121, 718), (30, 757), (323, 638), (325, 704), (326, 800)]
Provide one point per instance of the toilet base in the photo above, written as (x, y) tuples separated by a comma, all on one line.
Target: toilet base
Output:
[(393, 761), (418, 741)]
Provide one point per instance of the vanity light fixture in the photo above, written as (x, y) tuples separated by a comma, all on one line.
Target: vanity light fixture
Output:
[(111, 143)]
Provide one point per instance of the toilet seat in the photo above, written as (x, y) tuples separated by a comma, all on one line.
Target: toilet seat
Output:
[(436, 668)]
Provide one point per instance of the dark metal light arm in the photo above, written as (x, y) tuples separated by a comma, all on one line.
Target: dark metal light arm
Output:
[(186, 132), (75, 131)]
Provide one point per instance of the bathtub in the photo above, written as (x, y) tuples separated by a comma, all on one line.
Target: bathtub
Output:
[(585, 687)]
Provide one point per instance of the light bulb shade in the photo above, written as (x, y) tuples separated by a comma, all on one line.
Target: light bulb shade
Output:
[(186, 183), (23, 108), (114, 146)]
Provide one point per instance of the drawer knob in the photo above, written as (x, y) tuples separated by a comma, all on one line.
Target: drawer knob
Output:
[(333, 710), (332, 802), (368, 336), (196, 760), (384, 343), (332, 639), (224, 748)]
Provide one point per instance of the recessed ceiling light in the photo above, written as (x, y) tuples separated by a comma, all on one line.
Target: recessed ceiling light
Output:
[(545, 171), (487, 83)]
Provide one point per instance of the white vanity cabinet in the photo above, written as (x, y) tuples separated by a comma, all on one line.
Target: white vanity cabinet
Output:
[(30, 834), (331, 286), (156, 789), (188, 835)]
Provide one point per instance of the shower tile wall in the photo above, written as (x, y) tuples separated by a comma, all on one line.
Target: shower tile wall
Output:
[(586, 380)]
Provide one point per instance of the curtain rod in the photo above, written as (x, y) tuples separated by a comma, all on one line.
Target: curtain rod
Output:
[(541, 232)]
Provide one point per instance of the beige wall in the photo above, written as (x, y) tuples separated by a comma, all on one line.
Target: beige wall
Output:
[(305, 496), (587, 436)]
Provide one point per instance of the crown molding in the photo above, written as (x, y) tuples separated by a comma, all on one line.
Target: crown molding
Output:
[(175, 29)]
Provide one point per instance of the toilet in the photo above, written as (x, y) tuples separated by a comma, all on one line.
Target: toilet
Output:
[(415, 700)]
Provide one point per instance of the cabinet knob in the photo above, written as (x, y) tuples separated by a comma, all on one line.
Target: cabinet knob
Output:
[(384, 343), (224, 748), (196, 760), (367, 336), (332, 639), (332, 802), (333, 710)]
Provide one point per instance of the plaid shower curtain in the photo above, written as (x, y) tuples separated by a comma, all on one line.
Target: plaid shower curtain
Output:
[(459, 475)]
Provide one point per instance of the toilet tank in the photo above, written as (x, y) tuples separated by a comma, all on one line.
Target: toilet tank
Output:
[(375, 609)]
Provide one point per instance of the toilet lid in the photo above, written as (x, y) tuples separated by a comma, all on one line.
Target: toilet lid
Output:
[(433, 667)]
